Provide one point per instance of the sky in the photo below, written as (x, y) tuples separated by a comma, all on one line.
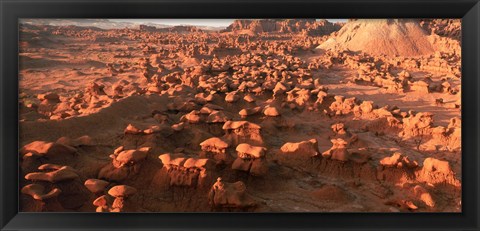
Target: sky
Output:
[(193, 22)]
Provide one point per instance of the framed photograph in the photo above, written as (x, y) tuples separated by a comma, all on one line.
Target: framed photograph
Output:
[(315, 115)]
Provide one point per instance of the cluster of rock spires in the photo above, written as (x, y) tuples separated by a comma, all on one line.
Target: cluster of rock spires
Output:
[(221, 117)]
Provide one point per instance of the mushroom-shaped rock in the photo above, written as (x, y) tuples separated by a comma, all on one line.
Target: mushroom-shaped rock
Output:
[(338, 151), (131, 129), (217, 117), (392, 160), (196, 163), (122, 191), (49, 167), (232, 125), (178, 127), (249, 111), (65, 173), (247, 151), (203, 97), (271, 111), (398, 160), (206, 110), (309, 148), (321, 97), (249, 98), (250, 159), (225, 194), (132, 156), (102, 204), (193, 117), (95, 185), (215, 145), (152, 129), (183, 171), (168, 160), (232, 97), (242, 132), (41, 148), (38, 192), (165, 158)]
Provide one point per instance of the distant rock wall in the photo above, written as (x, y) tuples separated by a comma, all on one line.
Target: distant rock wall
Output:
[(174, 29), (309, 26)]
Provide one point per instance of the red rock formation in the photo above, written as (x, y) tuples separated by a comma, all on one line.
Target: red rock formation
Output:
[(444, 27), (225, 194), (310, 26), (382, 37)]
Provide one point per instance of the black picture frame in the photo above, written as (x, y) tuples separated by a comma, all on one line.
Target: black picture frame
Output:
[(12, 10)]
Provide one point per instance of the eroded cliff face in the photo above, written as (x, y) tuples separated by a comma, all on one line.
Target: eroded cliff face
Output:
[(174, 29), (309, 26), (451, 28)]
